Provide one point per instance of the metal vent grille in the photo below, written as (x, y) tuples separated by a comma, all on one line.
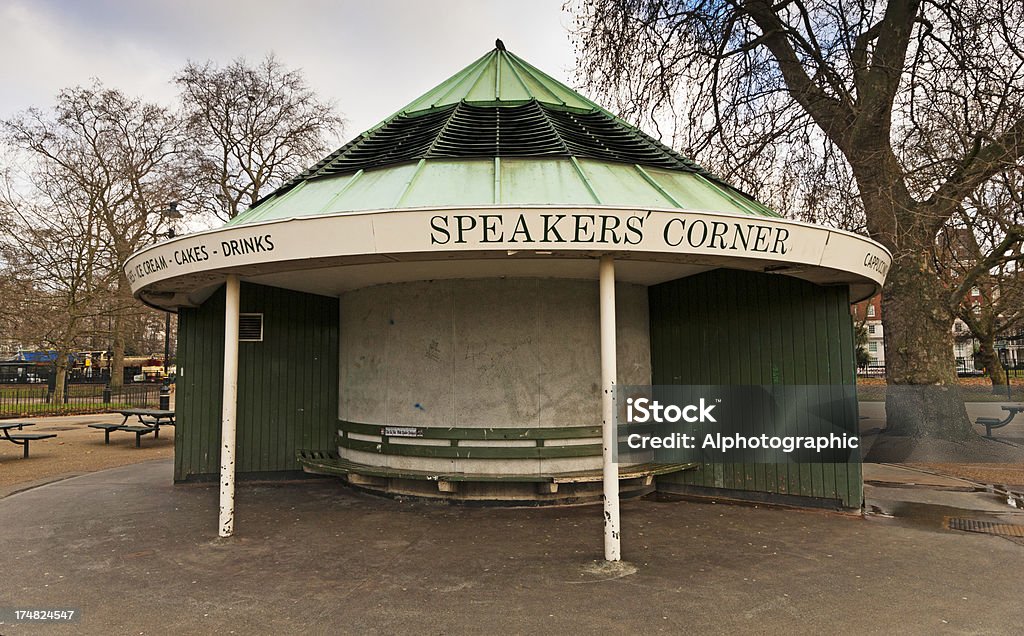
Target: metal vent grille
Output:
[(986, 527), (250, 327), (466, 130), (402, 139)]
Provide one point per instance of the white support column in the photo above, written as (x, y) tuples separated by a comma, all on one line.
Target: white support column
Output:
[(612, 551), (229, 407)]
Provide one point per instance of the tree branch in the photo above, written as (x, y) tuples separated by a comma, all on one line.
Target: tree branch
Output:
[(831, 114), (1014, 235), (981, 164)]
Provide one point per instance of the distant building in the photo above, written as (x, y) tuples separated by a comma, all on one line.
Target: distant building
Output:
[(8, 348), (869, 312), (965, 346)]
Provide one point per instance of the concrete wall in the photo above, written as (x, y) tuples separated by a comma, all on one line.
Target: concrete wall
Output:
[(482, 353)]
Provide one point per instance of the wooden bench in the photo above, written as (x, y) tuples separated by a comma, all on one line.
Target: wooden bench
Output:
[(322, 462), (462, 442)]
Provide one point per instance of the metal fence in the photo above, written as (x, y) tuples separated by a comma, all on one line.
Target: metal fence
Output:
[(19, 400), (980, 391)]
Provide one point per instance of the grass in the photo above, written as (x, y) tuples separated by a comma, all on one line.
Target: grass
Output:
[(42, 408), (30, 391)]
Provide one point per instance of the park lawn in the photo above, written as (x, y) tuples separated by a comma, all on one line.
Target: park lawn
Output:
[(29, 391), (28, 410), (40, 390)]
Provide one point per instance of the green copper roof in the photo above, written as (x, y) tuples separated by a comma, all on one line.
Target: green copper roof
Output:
[(500, 76), (501, 132)]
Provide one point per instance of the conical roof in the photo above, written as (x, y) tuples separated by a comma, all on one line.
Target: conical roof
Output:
[(500, 131), (500, 76), (472, 179)]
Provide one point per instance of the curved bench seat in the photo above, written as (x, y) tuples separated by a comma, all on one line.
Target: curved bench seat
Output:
[(322, 462)]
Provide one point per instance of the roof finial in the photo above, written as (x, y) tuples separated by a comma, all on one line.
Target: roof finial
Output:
[(498, 44)]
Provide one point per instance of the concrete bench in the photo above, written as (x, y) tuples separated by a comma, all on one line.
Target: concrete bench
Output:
[(324, 462)]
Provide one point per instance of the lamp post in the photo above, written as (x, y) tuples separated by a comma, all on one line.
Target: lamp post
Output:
[(167, 340), (1004, 359), (171, 214)]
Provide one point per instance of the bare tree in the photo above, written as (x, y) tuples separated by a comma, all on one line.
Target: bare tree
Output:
[(114, 158), (58, 268), (912, 104), (252, 128), (993, 306)]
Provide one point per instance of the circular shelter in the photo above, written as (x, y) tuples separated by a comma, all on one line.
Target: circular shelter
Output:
[(442, 306)]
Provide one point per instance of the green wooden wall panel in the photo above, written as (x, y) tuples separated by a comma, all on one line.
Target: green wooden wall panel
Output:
[(287, 384), (733, 327), (199, 386)]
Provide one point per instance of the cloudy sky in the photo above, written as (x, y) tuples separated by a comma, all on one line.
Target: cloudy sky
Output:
[(370, 57)]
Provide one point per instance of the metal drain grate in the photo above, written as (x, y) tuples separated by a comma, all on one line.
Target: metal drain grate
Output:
[(986, 527)]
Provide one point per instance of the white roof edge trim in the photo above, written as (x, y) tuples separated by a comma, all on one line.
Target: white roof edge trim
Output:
[(461, 230), (508, 206)]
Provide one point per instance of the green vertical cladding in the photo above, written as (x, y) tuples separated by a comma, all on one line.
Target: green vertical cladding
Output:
[(733, 327), (287, 384)]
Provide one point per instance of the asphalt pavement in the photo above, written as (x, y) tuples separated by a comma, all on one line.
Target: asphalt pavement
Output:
[(133, 553)]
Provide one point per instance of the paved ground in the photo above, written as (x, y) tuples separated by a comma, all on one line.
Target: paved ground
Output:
[(997, 461), (873, 416), (138, 555)]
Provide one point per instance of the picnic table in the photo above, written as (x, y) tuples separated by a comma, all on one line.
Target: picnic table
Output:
[(154, 418), (149, 421), (994, 422), (22, 439)]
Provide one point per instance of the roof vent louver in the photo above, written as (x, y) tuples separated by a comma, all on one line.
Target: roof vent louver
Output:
[(465, 130), (250, 327)]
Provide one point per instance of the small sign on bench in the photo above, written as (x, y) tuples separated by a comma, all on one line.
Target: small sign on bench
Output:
[(402, 431)]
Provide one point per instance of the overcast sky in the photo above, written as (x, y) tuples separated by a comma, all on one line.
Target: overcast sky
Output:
[(370, 57)]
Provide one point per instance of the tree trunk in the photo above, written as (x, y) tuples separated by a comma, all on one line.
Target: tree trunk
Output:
[(117, 352), (61, 377), (923, 398), (123, 301), (990, 358)]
